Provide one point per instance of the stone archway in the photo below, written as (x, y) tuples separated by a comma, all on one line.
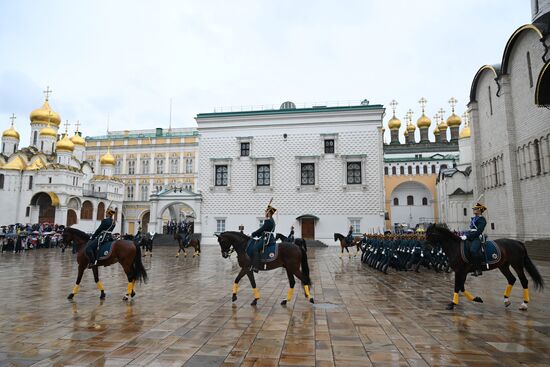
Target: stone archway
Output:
[(71, 217), (145, 218), (411, 203), (176, 205), (46, 203)]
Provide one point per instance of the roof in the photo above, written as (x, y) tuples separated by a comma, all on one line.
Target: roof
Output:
[(435, 157), (459, 192), (152, 135)]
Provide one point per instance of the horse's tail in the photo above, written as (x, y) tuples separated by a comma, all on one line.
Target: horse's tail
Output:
[(305, 265), (533, 271), (139, 270), (198, 246)]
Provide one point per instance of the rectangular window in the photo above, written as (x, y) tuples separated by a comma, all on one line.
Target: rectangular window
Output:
[(329, 146), (174, 165), (144, 192), (189, 165), (2, 181), (465, 212), (245, 149), (492, 226), (221, 176), (130, 192), (131, 167), (308, 174), (30, 182), (356, 223), (118, 167), (28, 211), (263, 175), (354, 173), (145, 166), (159, 166), (220, 225)]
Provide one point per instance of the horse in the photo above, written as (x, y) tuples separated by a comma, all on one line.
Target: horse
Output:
[(146, 243), (513, 252), (344, 244), (290, 256), (127, 253), (193, 242)]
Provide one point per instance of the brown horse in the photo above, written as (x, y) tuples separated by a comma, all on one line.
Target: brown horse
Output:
[(290, 256), (193, 242), (513, 252), (127, 253), (344, 244)]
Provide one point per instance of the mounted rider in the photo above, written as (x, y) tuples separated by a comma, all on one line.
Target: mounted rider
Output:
[(291, 235), (349, 237), (106, 226), (477, 226), (265, 232)]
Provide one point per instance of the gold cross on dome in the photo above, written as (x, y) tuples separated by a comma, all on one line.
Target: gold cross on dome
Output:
[(66, 126), (466, 118), (12, 118), (393, 105), (436, 117), (453, 101), (77, 124), (410, 115), (422, 103), (441, 113), (47, 92)]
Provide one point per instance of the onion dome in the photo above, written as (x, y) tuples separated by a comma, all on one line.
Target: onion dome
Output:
[(45, 114), (394, 123), (443, 125), (107, 159), (78, 140), (436, 130), (410, 127), (465, 132), (48, 131), (423, 122), (64, 144), (11, 133), (454, 120)]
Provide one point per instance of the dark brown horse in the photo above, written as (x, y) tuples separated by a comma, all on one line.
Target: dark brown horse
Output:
[(344, 244), (290, 256), (127, 253), (193, 242), (513, 253)]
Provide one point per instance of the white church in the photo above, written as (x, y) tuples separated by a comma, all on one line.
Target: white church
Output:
[(49, 181)]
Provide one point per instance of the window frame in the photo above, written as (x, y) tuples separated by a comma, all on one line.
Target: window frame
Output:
[(223, 222)]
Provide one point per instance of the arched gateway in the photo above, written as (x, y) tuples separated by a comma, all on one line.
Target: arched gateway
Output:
[(179, 202)]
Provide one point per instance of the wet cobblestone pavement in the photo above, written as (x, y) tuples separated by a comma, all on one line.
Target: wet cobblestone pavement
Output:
[(184, 316)]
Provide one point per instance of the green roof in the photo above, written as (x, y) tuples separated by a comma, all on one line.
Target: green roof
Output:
[(448, 157), (290, 111), (143, 135)]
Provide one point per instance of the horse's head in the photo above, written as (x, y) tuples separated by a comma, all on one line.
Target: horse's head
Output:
[(237, 240), (439, 233), (335, 236), (225, 244), (73, 234)]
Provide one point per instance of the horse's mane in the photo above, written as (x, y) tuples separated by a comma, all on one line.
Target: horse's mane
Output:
[(443, 229), (239, 234), (77, 232)]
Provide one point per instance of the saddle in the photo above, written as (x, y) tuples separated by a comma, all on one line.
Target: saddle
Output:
[(490, 252), (105, 245), (270, 249)]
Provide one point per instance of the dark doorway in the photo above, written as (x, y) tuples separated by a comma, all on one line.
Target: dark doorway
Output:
[(308, 228)]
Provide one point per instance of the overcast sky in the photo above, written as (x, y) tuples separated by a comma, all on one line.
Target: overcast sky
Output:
[(127, 59)]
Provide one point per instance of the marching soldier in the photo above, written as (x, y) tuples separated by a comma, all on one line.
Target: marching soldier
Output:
[(267, 228), (92, 247), (477, 226)]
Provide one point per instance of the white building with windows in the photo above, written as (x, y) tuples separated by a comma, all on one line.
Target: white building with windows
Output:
[(321, 165)]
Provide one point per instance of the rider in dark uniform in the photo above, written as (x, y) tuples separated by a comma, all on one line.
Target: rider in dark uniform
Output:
[(477, 226), (107, 224), (267, 227), (291, 235), (349, 237)]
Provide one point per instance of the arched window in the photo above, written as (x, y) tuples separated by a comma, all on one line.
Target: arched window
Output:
[(100, 211), (410, 200), (386, 171), (425, 169), (402, 170), (443, 166), (424, 201), (395, 201), (1, 181), (410, 170), (434, 170), (417, 170), (393, 171), (87, 210)]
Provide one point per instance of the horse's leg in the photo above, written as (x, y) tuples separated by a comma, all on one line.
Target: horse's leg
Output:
[(98, 282), (357, 249), (524, 283), (298, 273), (255, 290), (129, 270), (179, 250), (460, 278), (236, 284), (81, 268), (341, 248), (505, 270), (291, 283), (349, 253)]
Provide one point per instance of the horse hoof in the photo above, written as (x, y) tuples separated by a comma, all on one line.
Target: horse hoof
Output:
[(311, 300), (450, 306), (255, 302), (133, 294), (233, 297), (125, 298), (177, 255), (507, 302), (283, 302), (523, 307), (71, 296), (478, 300), (102, 296)]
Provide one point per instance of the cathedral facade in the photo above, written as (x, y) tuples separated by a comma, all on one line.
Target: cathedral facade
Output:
[(49, 181)]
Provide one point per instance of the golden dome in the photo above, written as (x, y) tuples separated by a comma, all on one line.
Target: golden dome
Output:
[(45, 114), (465, 132), (10, 133), (423, 121), (394, 123), (410, 127), (78, 140), (48, 131), (443, 125), (436, 130), (454, 120), (107, 159), (64, 144)]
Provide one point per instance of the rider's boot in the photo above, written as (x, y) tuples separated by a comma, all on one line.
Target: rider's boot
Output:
[(255, 262), (477, 266)]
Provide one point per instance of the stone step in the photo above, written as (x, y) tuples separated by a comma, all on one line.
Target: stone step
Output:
[(315, 243)]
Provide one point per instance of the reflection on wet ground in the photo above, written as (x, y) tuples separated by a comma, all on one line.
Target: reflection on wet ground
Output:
[(184, 316)]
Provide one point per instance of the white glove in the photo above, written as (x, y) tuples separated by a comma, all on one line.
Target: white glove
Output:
[(473, 230), (463, 238)]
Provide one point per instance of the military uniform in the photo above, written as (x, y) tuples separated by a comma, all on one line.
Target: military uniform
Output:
[(107, 225), (267, 227), (477, 226), (349, 237), (291, 235)]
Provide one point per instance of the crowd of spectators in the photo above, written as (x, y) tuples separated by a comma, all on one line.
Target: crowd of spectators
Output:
[(20, 237)]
